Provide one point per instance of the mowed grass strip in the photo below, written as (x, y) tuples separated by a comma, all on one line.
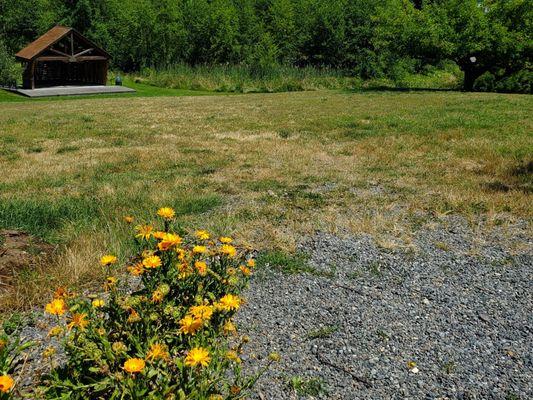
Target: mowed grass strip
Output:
[(271, 167)]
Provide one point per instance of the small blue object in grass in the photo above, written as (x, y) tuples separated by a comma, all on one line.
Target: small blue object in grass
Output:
[(118, 80)]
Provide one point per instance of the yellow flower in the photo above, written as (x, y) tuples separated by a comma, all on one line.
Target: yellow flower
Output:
[(128, 219), (134, 316), (158, 352), (134, 365), (203, 312), (144, 231), (166, 213), (159, 235), (229, 327), (199, 249), (201, 267), (136, 270), (61, 293), (202, 235), (245, 270), (98, 303), (108, 260), (197, 356), (229, 302), (185, 270), (233, 356), (56, 307), (78, 321), (110, 283), (228, 249), (184, 267), (189, 324), (147, 253), (181, 254), (6, 383), (235, 390), (251, 263), (100, 331), (157, 296), (55, 331), (49, 352), (152, 262), (3, 344), (225, 240), (274, 357), (168, 241)]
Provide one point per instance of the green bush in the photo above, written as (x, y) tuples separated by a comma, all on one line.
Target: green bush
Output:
[(519, 82), (9, 69)]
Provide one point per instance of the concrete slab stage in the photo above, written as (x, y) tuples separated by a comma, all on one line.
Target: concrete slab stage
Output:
[(72, 90)]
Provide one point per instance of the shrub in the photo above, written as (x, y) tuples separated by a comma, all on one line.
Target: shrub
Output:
[(9, 70), (172, 338), (519, 82)]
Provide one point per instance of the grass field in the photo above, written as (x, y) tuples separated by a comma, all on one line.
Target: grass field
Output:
[(267, 168)]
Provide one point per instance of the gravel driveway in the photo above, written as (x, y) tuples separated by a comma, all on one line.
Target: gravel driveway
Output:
[(451, 319)]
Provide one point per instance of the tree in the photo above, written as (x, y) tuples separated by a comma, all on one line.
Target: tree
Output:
[(479, 35), (23, 20), (283, 28), (323, 32), (360, 53), (484, 36)]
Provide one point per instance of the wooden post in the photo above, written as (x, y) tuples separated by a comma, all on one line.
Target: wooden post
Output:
[(32, 74), (26, 84), (105, 69)]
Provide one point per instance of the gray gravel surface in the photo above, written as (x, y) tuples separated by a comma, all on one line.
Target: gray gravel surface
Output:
[(458, 304)]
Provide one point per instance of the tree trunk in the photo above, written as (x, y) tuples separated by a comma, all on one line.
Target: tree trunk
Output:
[(471, 74)]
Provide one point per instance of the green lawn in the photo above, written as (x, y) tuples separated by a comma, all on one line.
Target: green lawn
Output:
[(267, 168)]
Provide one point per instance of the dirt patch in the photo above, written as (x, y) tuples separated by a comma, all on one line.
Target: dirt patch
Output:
[(19, 251)]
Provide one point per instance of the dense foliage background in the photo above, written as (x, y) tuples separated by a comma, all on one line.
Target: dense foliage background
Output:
[(489, 40)]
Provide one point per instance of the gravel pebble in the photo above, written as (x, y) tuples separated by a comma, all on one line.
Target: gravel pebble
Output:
[(458, 306)]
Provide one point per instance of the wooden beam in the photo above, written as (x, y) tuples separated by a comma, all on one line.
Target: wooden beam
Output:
[(83, 52), (71, 59), (59, 52), (91, 58), (72, 44), (52, 58)]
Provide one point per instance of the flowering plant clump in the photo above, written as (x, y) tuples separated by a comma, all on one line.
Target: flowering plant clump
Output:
[(173, 338), (10, 350)]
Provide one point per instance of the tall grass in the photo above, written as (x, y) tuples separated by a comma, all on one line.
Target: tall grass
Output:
[(245, 79)]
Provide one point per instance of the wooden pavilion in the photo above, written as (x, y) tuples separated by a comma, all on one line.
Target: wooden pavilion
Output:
[(63, 57)]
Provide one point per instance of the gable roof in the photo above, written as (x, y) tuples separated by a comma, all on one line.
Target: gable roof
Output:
[(50, 38)]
